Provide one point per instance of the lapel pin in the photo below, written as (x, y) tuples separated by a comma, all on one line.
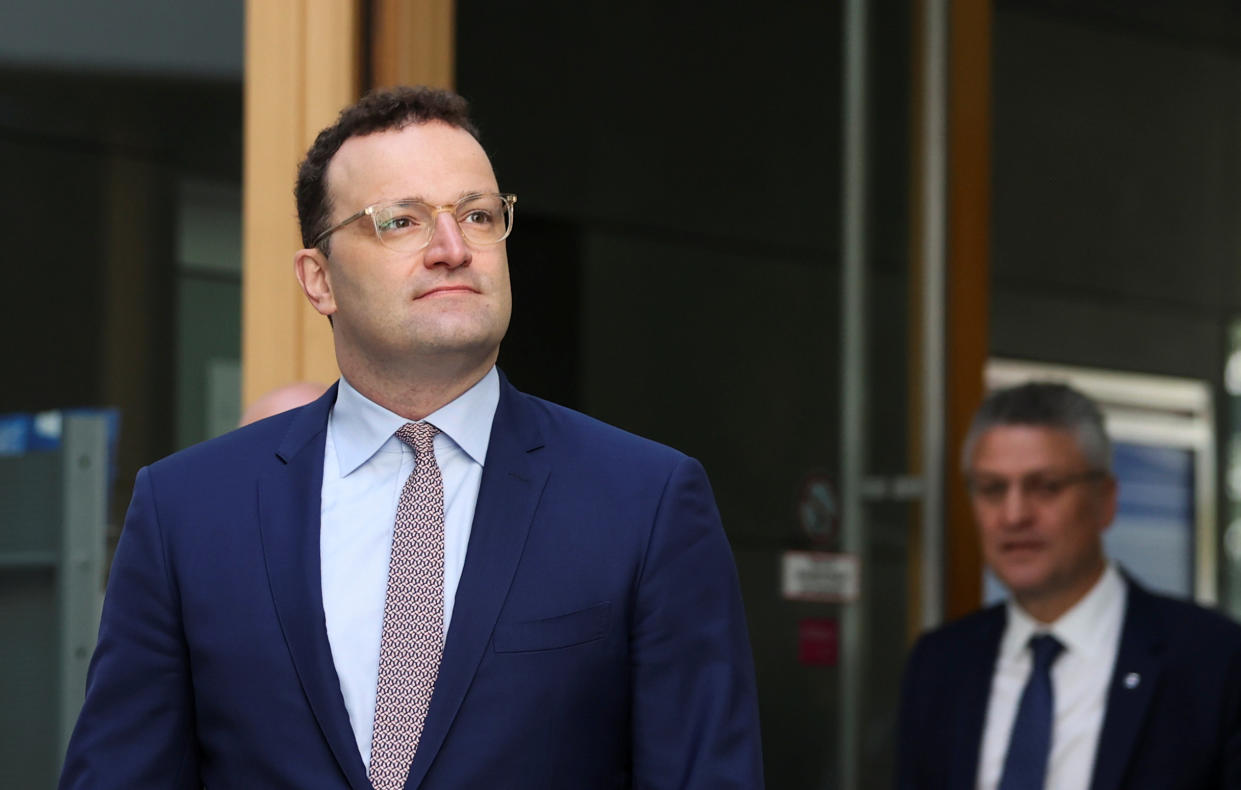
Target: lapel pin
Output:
[(1132, 680)]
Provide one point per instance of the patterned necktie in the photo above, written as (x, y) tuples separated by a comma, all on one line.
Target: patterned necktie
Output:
[(1025, 765), (409, 650)]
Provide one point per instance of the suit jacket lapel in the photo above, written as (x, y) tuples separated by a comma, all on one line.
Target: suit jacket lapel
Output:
[(971, 708), (289, 508), (513, 480), (1138, 663)]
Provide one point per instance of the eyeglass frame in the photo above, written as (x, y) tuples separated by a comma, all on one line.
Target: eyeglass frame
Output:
[(1036, 487), (509, 199)]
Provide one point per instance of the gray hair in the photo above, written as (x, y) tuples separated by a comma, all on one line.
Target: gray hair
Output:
[(1043, 404)]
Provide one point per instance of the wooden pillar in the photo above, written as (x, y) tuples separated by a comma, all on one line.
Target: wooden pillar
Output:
[(303, 61), (414, 43), (969, 249)]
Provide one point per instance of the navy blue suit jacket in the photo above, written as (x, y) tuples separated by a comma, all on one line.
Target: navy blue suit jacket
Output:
[(597, 639), (1178, 728)]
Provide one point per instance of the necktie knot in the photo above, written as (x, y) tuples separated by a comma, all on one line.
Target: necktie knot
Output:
[(419, 436), (1046, 649)]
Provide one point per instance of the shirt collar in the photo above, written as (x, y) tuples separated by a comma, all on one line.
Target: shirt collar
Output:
[(1084, 629), (360, 426)]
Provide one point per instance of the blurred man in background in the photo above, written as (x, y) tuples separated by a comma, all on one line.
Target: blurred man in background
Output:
[(283, 398), (1083, 679)]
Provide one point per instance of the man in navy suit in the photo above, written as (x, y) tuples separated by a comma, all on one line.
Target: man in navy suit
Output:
[(1136, 690), (590, 631)]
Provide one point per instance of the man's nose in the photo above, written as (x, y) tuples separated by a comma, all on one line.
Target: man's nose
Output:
[(448, 246), (1016, 505)]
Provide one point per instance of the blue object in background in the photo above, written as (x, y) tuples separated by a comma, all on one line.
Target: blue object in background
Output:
[(40, 432), (15, 432), (1153, 535)]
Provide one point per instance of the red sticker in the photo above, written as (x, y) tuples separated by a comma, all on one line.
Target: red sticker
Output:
[(818, 640)]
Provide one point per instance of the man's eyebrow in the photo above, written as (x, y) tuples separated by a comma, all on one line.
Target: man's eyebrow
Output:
[(462, 195), (1042, 471)]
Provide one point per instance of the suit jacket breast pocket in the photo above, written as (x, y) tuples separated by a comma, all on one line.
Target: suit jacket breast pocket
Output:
[(551, 633)]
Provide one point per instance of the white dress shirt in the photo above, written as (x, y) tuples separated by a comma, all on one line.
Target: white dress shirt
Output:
[(1081, 676), (364, 470)]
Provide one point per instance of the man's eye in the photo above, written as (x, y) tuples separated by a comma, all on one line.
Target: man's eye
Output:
[(991, 490), (397, 224), (477, 216), (1045, 488)]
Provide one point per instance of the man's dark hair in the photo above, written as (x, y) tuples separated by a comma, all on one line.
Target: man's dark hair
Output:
[(378, 111), (1043, 404)]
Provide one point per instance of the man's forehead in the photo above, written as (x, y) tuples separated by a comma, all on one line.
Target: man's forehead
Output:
[(1026, 449), (423, 160)]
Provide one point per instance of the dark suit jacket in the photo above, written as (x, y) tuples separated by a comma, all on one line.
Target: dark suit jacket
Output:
[(597, 639), (1178, 727)]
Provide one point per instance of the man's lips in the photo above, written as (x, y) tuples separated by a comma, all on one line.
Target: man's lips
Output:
[(1017, 546), (448, 290)]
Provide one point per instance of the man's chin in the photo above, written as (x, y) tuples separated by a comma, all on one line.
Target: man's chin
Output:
[(458, 331), (1021, 580), (464, 345)]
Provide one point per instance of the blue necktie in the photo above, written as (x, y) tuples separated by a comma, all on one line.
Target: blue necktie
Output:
[(1025, 765)]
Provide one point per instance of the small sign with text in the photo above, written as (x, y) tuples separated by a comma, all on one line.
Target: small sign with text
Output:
[(820, 576)]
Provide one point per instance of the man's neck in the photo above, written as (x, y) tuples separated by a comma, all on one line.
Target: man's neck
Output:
[(416, 390)]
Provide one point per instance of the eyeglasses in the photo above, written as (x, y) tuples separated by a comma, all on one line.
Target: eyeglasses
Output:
[(408, 225), (1038, 488)]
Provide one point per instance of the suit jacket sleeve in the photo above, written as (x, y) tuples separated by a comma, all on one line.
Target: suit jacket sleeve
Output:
[(1232, 733), (911, 725), (695, 714), (1229, 691), (136, 725)]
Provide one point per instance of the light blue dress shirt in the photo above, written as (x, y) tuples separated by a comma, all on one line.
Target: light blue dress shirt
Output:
[(364, 469)]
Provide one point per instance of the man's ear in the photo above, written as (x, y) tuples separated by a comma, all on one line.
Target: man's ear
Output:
[(1109, 502), (310, 266)]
